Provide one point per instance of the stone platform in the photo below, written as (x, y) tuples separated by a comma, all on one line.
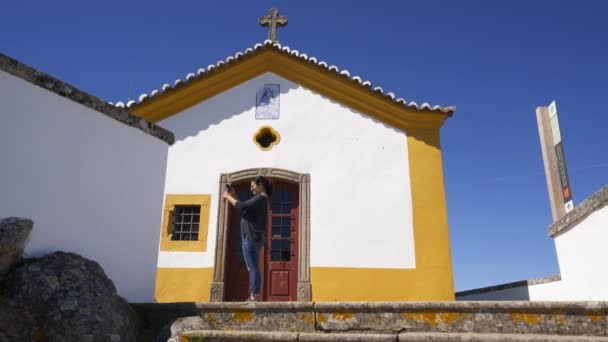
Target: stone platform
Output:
[(385, 321)]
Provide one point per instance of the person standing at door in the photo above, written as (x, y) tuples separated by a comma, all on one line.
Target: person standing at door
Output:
[(254, 219)]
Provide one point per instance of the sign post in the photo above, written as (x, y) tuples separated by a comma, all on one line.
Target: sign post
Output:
[(558, 183)]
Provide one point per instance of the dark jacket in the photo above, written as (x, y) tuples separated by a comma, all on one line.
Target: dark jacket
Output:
[(254, 217)]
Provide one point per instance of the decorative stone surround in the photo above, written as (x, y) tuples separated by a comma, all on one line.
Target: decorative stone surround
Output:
[(522, 283), (50, 83), (593, 203), (303, 180)]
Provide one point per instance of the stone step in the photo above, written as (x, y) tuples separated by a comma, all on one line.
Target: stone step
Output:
[(215, 335), (467, 337), (536, 318)]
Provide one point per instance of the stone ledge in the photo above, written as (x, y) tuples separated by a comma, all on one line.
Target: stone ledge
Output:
[(195, 307), (270, 316), (60, 88), (569, 318), (212, 335), (597, 307), (259, 307), (577, 307), (484, 317), (521, 283), (451, 337), (321, 337), (593, 203)]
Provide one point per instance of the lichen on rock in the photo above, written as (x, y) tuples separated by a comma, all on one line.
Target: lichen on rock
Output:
[(63, 297)]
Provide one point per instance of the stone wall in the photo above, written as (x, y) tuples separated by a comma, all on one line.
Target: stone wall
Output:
[(551, 318)]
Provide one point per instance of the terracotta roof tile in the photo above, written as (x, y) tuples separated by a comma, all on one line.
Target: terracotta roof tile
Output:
[(285, 49)]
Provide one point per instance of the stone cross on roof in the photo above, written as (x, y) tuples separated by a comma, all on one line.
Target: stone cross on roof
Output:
[(273, 20)]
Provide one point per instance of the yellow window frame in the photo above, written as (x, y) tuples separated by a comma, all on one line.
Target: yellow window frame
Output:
[(200, 245)]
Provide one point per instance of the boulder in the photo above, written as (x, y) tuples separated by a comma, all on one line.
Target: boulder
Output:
[(14, 232), (63, 297)]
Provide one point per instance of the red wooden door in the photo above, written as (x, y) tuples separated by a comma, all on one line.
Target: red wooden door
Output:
[(278, 258), (281, 257)]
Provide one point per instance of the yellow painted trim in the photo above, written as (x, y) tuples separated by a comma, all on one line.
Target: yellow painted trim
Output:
[(313, 77), (432, 279), (428, 200), (183, 284), (376, 284), (261, 131), (166, 244)]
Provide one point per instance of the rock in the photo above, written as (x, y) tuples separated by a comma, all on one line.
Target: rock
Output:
[(63, 297), (14, 232), (171, 332)]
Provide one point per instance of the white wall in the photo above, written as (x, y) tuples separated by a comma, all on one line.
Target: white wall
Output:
[(581, 253), (537, 292), (361, 211), (92, 185), (514, 293)]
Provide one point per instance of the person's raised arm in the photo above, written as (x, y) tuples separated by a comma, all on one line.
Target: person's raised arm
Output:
[(230, 196), (248, 204)]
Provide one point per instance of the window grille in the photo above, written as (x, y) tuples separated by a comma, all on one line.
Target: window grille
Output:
[(186, 222), (280, 247)]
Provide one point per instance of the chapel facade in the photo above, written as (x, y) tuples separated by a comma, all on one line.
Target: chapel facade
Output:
[(358, 212)]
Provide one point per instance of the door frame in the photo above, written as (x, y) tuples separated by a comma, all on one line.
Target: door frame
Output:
[(303, 181)]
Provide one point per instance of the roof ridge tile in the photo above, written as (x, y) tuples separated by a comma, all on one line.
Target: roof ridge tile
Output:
[(268, 44)]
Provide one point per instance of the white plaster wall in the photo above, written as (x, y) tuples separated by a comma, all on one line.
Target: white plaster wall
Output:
[(549, 291), (582, 254), (361, 211), (514, 293), (539, 292), (91, 184)]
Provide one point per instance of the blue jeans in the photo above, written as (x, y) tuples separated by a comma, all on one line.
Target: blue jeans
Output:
[(251, 253)]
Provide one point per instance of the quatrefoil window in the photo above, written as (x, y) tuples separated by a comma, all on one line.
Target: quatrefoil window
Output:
[(266, 137)]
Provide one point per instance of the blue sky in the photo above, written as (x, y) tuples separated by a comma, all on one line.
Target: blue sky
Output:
[(495, 60)]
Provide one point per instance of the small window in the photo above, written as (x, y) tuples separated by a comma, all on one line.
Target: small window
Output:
[(266, 137), (186, 223)]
